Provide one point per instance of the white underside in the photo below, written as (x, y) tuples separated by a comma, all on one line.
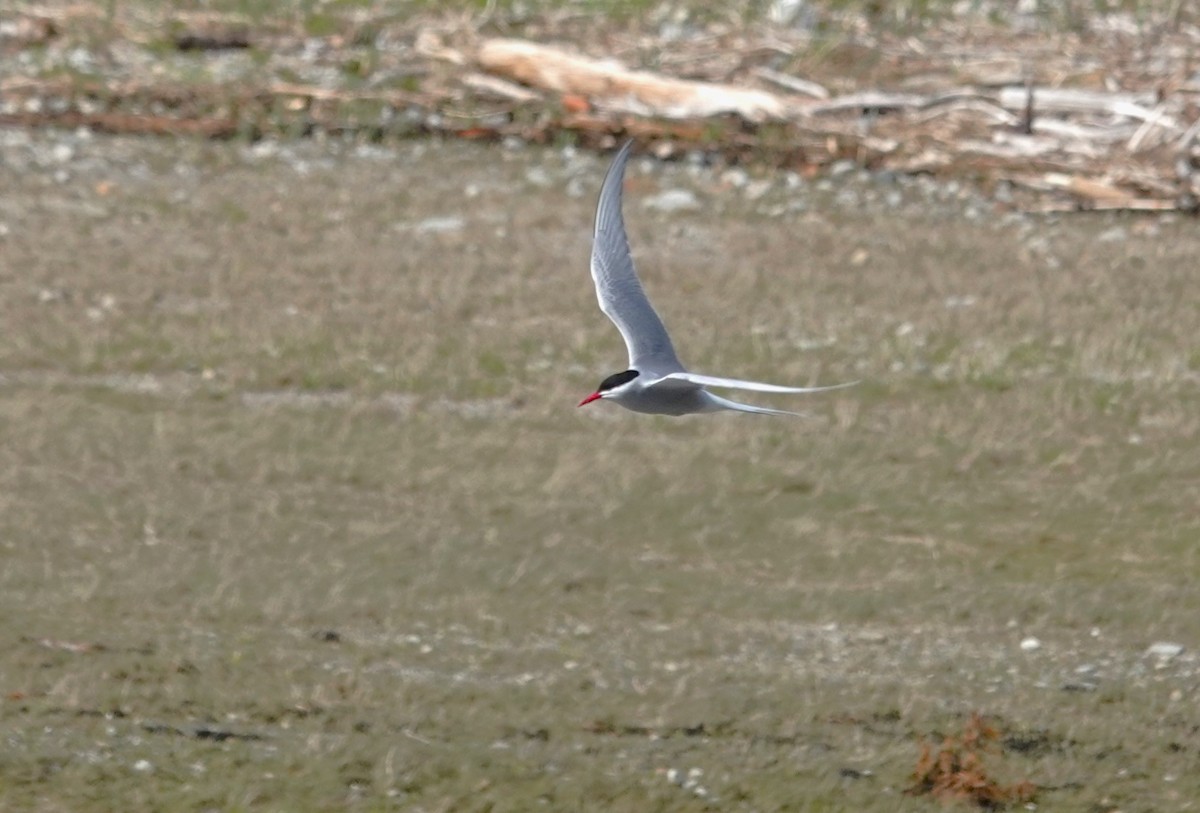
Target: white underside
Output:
[(679, 397)]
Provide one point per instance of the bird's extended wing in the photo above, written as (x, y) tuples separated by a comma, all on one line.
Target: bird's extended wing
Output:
[(737, 406), (676, 383), (617, 287), (737, 384)]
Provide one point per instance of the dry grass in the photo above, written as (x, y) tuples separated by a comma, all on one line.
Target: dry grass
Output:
[(434, 585)]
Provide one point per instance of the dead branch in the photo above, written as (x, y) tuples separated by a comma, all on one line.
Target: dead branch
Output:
[(1067, 100), (792, 83), (125, 123), (873, 101), (495, 86)]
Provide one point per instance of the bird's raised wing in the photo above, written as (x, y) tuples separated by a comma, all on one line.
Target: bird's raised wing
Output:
[(737, 384), (617, 287)]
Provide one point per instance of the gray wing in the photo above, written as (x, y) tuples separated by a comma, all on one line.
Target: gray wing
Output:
[(676, 382), (617, 287), (738, 384)]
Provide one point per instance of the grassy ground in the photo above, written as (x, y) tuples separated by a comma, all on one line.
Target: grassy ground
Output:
[(298, 513)]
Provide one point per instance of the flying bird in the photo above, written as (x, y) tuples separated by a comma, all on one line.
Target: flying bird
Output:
[(656, 382)]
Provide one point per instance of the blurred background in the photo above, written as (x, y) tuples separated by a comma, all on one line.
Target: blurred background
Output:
[(297, 512)]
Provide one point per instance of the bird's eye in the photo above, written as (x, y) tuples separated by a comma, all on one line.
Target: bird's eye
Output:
[(617, 379)]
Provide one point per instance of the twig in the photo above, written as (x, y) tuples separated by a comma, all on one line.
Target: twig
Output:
[(868, 100), (1027, 113), (793, 83), (1189, 135), (496, 86), (957, 105), (1131, 205), (1135, 141), (125, 123)]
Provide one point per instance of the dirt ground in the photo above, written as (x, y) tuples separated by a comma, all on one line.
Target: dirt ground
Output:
[(299, 514)]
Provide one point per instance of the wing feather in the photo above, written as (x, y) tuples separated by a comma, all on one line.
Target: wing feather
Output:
[(618, 289), (756, 386), (737, 406)]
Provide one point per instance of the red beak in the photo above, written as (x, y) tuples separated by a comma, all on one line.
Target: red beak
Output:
[(593, 397)]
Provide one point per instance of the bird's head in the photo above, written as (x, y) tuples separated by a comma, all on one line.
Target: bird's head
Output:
[(613, 386)]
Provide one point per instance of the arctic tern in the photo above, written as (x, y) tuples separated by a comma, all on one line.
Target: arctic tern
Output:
[(656, 382)]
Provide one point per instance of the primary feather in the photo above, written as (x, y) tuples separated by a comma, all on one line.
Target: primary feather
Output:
[(756, 386), (618, 289)]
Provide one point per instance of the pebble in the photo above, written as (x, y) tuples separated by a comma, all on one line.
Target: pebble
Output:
[(673, 200), (756, 189), (1030, 644), (735, 177), (842, 167), (438, 225), (579, 188), (689, 781), (539, 177), (1164, 650), (62, 153), (265, 149)]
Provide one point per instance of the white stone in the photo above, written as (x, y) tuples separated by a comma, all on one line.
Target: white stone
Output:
[(673, 200), (1164, 650), (435, 225)]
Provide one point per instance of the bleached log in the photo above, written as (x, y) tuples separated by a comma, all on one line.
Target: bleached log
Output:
[(1068, 100), (1082, 132), (613, 85), (1089, 188)]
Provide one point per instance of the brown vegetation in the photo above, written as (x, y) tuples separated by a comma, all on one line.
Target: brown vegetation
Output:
[(956, 769)]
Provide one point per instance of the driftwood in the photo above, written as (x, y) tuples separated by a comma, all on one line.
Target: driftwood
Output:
[(1128, 137), (618, 88), (1066, 133)]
